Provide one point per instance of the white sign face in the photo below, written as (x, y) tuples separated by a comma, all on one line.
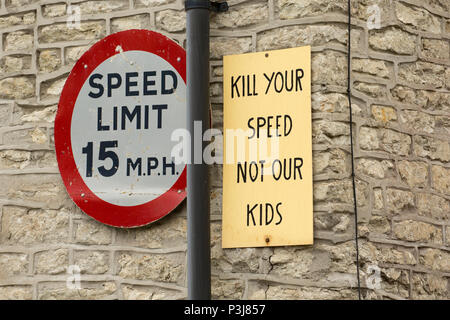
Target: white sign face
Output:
[(119, 108), (122, 117)]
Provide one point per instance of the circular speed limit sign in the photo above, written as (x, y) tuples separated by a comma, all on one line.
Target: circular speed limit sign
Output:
[(118, 109)]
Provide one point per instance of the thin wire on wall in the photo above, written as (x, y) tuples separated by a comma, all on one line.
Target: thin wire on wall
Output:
[(351, 147)]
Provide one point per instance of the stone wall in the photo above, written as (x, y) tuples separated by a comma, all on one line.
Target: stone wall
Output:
[(401, 102)]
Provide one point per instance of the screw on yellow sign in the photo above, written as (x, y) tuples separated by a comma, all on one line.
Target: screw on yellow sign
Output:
[(267, 176)]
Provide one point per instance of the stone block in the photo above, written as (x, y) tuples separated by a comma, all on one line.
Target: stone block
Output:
[(157, 267), (371, 90), (414, 173), (379, 169), (393, 40), (387, 140), (54, 10), (13, 264), (15, 63), (96, 7), (92, 262), (16, 292), (417, 18), (34, 226), (399, 201), (89, 231), (20, 40), (22, 18), (151, 3), (52, 88), (329, 102), (417, 231), (240, 16), (434, 259), (441, 179), (327, 68), (220, 46), (432, 148), (72, 54), (165, 233), (428, 100), (52, 261), (422, 74), (58, 32), (384, 114), (49, 60), (291, 9), (294, 36), (433, 206), (140, 292), (229, 289), (88, 291), (377, 68), (333, 161), (428, 287), (171, 20), (330, 133), (435, 49), (140, 21), (46, 189), (21, 87), (278, 292)]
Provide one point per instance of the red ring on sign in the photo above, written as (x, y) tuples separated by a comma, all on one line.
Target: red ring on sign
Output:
[(86, 200)]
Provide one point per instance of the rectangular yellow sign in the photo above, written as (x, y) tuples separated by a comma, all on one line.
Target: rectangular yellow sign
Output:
[(267, 169)]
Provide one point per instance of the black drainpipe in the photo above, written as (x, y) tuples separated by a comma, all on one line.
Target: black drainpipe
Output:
[(197, 78)]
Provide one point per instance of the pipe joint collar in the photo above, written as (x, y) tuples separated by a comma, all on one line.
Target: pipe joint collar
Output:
[(202, 4)]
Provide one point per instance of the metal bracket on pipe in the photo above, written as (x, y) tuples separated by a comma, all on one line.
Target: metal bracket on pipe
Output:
[(219, 6), (210, 5)]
